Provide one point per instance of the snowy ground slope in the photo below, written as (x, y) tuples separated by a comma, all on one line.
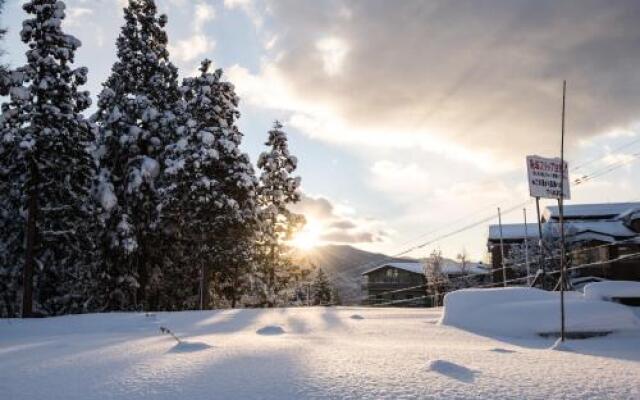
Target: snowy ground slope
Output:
[(527, 312), (323, 353)]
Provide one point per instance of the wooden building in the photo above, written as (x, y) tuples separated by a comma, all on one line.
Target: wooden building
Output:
[(513, 241), (395, 281), (406, 283), (606, 235)]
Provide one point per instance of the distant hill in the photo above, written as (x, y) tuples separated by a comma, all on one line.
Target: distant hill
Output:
[(344, 265)]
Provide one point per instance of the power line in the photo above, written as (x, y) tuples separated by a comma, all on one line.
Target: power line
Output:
[(591, 161), (606, 170), (457, 231), (492, 284), (491, 271)]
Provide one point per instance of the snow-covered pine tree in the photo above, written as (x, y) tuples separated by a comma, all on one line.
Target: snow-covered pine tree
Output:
[(137, 121), (321, 289), (277, 191), (47, 170), (210, 193)]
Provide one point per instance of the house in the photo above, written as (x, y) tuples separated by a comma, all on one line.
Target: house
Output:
[(405, 283), (513, 242), (598, 234), (395, 282)]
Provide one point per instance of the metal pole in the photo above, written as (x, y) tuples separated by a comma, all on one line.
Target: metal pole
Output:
[(504, 268), (561, 210), (540, 242), (526, 247)]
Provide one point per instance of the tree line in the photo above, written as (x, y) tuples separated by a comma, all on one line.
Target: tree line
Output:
[(148, 204)]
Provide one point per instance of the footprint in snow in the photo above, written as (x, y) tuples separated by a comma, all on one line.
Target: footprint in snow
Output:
[(270, 330), (452, 370), (356, 316), (189, 347), (499, 350)]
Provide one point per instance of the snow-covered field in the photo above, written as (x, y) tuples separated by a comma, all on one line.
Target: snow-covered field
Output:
[(342, 353)]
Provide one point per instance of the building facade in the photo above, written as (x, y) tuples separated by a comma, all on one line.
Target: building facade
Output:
[(602, 241)]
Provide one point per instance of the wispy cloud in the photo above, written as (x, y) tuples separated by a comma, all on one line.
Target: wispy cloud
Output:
[(334, 226)]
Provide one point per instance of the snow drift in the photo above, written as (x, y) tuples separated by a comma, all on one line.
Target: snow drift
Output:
[(524, 312), (611, 289)]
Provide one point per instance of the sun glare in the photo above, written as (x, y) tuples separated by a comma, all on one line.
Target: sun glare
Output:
[(309, 236)]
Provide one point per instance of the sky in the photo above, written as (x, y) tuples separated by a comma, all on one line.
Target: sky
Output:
[(411, 120)]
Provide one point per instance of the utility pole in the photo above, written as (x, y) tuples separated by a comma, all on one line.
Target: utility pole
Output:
[(526, 247), (561, 211), (504, 268)]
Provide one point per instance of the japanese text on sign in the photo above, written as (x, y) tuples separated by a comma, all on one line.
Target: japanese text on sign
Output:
[(545, 175)]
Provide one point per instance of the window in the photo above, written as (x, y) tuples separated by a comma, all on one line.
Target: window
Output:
[(392, 275)]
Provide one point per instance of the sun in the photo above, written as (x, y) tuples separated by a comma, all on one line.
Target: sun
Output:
[(309, 236)]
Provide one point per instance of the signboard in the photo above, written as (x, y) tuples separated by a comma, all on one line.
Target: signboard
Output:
[(544, 177)]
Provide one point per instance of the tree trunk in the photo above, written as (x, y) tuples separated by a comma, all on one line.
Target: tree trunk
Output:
[(234, 287), (27, 273), (206, 284), (143, 276)]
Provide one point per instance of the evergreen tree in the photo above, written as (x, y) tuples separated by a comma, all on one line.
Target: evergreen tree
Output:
[(210, 190), (321, 289), (137, 121), (277, 191), (46, 172)]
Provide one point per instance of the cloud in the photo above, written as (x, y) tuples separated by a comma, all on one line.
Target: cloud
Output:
[(203, 14), (351, 237), (75, 16), (345, 224), (334, 226), (192, 48), (333, 52), (481, 79), (249, 8), (400, 179)]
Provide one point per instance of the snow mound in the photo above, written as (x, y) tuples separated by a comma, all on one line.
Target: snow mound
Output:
[(452, 370), (611, 289), (356, 316), (559, 345), (525, 312), (189, 347), (270, 330)]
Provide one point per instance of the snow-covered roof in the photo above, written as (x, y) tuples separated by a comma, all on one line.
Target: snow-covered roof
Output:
[(589, 211), (449, 267), (604, 231), (414, 267), (513, 231), (610, 289)]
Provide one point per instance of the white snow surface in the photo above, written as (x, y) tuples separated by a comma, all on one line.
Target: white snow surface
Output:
[(526, 312), (610, 289), (324, 354)]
